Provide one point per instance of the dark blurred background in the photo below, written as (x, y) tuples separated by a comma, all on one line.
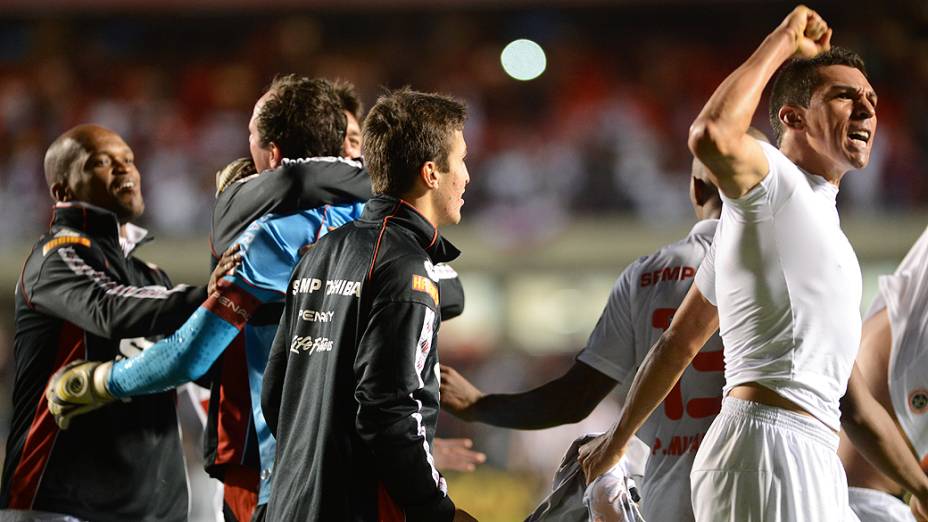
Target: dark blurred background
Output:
[(574, 174)]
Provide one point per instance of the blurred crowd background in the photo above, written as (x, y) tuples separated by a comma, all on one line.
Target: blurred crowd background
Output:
[(595, 148)]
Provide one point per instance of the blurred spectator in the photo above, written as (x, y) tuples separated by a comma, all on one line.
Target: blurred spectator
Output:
[(601, 131)]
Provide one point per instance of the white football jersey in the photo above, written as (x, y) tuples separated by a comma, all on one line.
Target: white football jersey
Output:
[(904, 294), (787, 285), (640, 308)]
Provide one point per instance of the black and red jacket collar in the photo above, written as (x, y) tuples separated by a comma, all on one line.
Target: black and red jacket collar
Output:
[(395, 211), (98, 223)]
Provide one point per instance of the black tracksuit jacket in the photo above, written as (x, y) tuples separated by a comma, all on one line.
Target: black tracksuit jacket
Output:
[(79, 295), (294, 186), (353, 400)]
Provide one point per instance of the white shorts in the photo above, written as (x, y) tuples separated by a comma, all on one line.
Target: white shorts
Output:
[(871, 505), (761, 463)]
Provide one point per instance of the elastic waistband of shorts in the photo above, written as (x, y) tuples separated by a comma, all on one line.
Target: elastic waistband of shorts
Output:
[(797, 422), (874, 494)]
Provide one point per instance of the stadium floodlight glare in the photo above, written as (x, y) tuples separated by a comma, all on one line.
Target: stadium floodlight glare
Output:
[(523, 60)]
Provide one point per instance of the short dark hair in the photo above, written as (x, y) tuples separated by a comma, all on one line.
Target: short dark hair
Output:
[(799, 77), (404, 130), (348, 95), (303, 117)]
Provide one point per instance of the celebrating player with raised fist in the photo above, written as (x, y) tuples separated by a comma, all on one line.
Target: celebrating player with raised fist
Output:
[(783, 285)]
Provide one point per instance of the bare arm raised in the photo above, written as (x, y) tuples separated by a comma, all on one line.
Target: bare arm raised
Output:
[(719, 136)]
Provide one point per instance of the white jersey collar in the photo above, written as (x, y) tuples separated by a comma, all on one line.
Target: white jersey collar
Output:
[(821, 185)]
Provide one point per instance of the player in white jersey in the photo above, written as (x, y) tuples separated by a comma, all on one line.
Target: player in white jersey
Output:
[(893, 359), (783, 286), (642, 302)]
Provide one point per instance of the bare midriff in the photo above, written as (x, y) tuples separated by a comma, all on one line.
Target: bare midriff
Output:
[(751, 391)]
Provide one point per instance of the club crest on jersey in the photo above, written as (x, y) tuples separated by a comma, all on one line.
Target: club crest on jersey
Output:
[(430, 270), (424, 284), (918, 401)]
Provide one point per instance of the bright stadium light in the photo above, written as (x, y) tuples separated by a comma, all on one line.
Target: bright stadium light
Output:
[(523, 60)]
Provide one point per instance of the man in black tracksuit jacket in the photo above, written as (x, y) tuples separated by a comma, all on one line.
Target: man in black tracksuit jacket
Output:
[(351, 386), (230, 443), (292, 124), (81, 293)]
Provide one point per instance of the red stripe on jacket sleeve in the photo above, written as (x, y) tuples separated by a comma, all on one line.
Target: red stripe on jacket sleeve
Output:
[(43, 431)]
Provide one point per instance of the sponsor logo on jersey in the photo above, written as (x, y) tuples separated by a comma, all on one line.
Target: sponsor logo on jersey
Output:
[(64, 240), (343, 287), (918, 401), (309, 285), (307, 343), (312, 316), (305, 285), (234, 307), (674, 273), (424, 284)]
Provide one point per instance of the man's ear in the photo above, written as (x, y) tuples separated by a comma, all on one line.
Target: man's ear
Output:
[(275, 157), (60, 192), (429, 174), (791, 117)]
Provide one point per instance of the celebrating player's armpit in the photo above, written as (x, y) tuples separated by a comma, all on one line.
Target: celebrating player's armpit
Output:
[(78, 388)]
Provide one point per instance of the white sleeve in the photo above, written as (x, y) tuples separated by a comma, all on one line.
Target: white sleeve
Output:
[(768, 196), (876, 306), (905, 292), (705, 275), (610, 348)]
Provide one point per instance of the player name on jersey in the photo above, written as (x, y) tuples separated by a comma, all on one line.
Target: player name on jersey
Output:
[(679, 445)]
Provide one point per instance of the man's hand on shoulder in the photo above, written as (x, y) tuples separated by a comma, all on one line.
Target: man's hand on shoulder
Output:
[(458, 395), (226, 266), (810, 32), (78, 388)]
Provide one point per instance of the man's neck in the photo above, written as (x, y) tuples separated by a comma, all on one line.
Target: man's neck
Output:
[(423, 204), (811, 162)]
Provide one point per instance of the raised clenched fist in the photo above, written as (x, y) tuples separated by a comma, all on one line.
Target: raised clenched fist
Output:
[(809, 31)]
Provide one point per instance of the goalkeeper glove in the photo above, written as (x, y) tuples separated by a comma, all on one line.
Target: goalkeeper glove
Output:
[(77, 388)]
